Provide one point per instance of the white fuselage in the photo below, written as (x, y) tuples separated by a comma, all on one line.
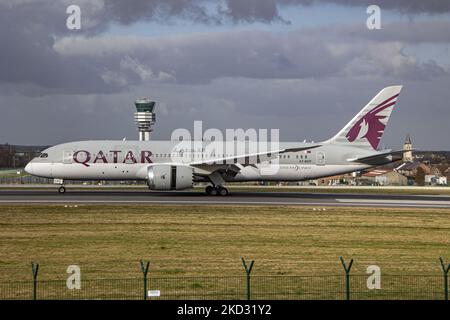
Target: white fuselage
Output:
[(118, 160)]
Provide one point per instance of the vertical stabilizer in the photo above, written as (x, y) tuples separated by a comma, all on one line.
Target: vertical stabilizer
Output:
[(367, 127)]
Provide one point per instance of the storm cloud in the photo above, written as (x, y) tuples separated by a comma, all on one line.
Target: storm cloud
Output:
[(204, 57), (37, 49)]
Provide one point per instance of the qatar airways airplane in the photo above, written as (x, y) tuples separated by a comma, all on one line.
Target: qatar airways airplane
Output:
[(175, 165)]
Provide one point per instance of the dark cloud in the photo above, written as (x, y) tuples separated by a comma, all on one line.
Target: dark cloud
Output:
[(253, 10), (201, 58), (127, 12), (217, 11), (29, 31), (403, 6)]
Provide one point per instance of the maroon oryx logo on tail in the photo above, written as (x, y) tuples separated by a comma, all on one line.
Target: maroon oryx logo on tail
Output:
[(371, 126)]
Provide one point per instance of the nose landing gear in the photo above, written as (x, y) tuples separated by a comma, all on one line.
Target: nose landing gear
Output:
[(217, 190), (62, 190)]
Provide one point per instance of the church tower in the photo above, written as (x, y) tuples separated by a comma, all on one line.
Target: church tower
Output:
[(407, 156)]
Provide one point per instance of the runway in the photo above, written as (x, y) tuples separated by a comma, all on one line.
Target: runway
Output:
[(115, 197)]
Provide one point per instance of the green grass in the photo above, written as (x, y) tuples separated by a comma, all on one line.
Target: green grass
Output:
[(109, 241)]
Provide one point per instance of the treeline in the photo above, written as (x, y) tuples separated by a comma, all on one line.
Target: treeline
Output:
[(14, 156)]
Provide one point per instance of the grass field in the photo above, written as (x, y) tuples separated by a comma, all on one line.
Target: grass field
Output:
[(108, 241)]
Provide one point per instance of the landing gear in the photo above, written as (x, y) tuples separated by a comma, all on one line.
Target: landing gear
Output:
[(222, 191), (217, 182), (60, 182), (209, 190), (218, 190)]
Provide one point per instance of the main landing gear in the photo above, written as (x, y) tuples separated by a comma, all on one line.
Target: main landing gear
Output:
[(216, 191), (62, 190)]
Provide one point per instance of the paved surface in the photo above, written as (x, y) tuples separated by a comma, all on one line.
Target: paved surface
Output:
[(235, 198)]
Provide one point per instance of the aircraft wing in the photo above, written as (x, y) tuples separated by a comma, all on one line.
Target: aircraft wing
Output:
[(380, 157), (244, 158)]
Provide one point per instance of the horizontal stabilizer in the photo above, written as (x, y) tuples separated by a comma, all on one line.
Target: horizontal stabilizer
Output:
[(380, 157)]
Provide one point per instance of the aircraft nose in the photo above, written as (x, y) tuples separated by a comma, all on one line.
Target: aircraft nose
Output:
[(29, 168)]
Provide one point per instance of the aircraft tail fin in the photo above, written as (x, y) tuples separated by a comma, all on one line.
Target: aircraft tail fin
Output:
[(367, 127)]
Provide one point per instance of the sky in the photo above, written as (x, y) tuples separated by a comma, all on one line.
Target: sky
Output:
[(305, 67)]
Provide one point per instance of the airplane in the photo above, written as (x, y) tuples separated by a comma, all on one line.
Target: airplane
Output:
[(175, 165)]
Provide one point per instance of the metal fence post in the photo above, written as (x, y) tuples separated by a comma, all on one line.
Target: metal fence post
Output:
[(144, 269), (34, 272), (445, 269), (347, 277), (248, 270)]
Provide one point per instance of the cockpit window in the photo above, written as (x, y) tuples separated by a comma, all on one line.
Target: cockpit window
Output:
[(43, 155)]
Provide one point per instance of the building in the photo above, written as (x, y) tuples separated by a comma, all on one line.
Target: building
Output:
[(435, 170), (383, 177), (447, 174), (409, 169), (434, 180), (437, 175), (407, 156), (337, 180), (144, 117)]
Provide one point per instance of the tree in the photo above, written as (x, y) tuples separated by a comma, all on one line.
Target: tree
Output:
[(420, 177)]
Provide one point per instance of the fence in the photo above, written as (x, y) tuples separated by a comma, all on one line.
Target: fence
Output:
[(317, 287), (332, 287)]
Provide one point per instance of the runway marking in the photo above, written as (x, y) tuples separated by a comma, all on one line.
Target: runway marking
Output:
[(394, 201), (327, 204)]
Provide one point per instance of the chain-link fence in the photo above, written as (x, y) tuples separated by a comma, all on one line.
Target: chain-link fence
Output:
[(329, 287), (372, 285)]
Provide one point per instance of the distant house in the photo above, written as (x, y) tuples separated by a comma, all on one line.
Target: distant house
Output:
[(409, 169), (335, 180), (434, 180), (437, 176), (447, 173), (435, 170), (383, 177)]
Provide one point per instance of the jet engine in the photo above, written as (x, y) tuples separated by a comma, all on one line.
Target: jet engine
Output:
[(170, 177)]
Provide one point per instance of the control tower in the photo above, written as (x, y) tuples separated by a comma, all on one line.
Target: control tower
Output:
[(144, 117)]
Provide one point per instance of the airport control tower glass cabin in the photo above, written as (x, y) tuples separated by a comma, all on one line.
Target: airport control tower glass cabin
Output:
[(144, 117)]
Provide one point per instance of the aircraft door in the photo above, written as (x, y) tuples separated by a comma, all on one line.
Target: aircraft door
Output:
[(320, 158), (67, 156)]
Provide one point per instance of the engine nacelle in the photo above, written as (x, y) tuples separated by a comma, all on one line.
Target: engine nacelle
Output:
[(170, 177)]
